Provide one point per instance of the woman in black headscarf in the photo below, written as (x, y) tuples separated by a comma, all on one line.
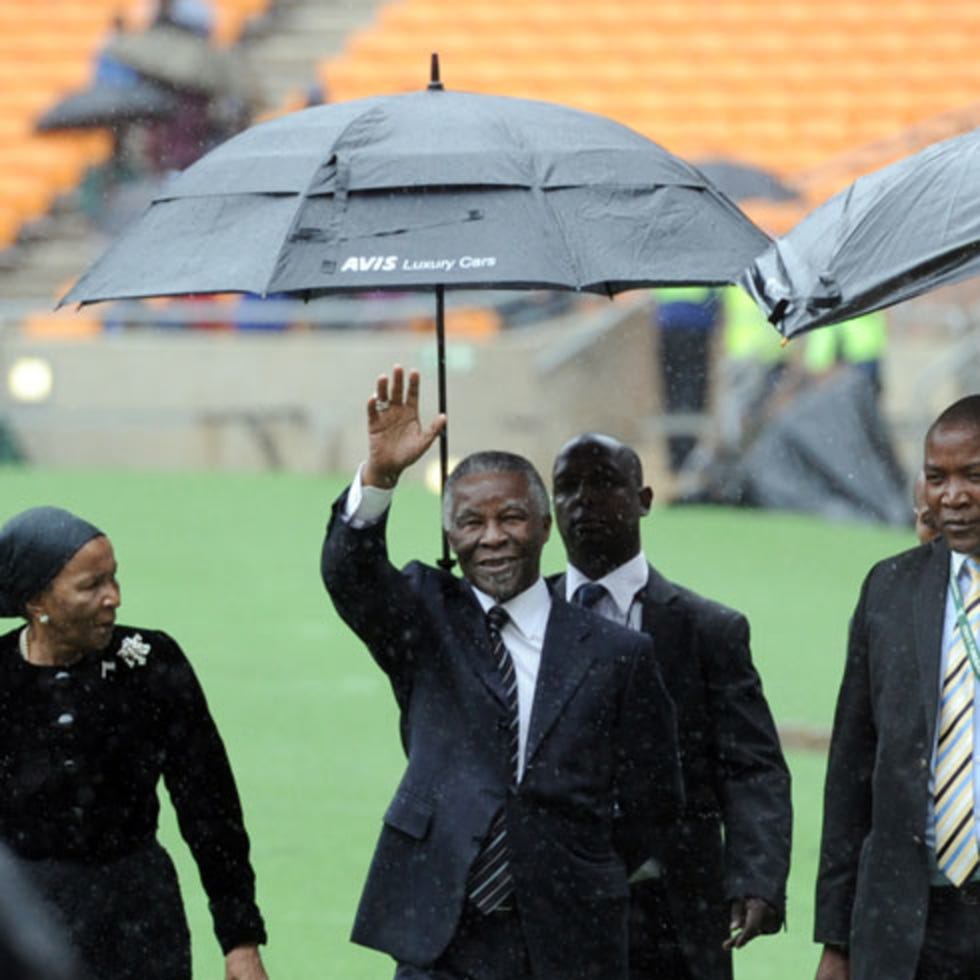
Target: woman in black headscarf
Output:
[(91, 715)]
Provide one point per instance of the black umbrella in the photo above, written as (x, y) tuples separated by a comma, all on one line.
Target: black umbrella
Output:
[(745, 181), (104, 105), (891, 235), (429, 190)]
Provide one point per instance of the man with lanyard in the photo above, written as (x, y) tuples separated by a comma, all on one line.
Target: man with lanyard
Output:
[(898, 890)]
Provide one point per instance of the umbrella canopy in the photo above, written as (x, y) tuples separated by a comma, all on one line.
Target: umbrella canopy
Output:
[(745, 181), (104, 105), (891, 235), (429, 190)]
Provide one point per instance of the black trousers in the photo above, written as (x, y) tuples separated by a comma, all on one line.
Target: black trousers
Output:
[(951, 948), (655, 950), (485, 947), (124, 918)]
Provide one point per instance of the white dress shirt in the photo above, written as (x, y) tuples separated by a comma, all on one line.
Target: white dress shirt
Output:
[(622, 584), (523, 635)]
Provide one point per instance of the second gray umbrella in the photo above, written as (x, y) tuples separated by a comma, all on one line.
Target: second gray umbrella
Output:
[(891, 235), (105, 106)]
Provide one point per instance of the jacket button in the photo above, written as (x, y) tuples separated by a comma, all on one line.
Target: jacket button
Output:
[(62, 677), (69, 765), (66, 720)]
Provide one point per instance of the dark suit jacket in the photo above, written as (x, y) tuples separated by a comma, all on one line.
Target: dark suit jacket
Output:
[(734, 839), (874, 877), (602, 731)]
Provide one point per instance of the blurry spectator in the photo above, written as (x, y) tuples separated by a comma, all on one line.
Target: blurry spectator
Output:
[(753, 363), (205, 311), (925, 523), (685, 318), (535, 306), (254, 312), (860, 342), (177, 142), (315, 94), (188, 15), (10, 450), (212, 109), (109, 70), (126, 161)]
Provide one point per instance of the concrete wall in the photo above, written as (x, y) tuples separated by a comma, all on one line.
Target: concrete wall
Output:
[(187, 399)]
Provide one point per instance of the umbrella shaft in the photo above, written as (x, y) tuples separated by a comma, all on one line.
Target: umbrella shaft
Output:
[(446, 559)]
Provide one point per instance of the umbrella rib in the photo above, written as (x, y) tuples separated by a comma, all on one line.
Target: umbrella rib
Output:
[(541, 195)]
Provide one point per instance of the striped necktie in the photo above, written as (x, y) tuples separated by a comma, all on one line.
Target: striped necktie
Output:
[(491, 881), (956, 835)]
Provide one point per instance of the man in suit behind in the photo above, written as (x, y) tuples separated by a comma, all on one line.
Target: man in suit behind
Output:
[(722, 880), (542, 758), (898, 887)]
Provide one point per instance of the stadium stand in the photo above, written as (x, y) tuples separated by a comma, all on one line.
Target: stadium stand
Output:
[(46, 51), (814, 92), (796, 88)]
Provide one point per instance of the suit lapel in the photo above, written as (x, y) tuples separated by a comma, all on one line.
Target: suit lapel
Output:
[(469, 623), (928, 614), (565, 659), (661, 618)]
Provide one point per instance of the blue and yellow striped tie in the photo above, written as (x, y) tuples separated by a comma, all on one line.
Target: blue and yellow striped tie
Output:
[(956, 834)]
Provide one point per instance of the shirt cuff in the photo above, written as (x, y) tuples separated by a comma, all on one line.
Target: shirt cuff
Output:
[(365, 505)]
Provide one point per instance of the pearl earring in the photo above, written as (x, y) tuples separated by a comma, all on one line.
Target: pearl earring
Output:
[(44, 619)]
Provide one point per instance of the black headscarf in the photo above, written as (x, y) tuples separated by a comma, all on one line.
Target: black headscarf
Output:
[(34, 546)]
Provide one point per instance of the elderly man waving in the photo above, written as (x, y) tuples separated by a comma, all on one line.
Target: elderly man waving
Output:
[(540, 743)]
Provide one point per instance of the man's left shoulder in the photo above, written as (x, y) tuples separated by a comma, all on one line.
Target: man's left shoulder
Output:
[(603, 635), (706, 613)]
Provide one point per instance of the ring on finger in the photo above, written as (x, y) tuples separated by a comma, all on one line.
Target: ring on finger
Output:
[(382, 406)]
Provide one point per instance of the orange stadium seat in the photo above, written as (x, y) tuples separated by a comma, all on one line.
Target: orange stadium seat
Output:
[(10, 221), (47, 50), (66, 324), (27, 195)]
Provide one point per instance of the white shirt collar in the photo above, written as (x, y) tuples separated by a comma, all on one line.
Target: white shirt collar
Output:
[(621, 583), (528, 610)]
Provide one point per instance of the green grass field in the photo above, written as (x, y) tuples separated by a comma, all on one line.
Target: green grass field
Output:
[(229, 566)]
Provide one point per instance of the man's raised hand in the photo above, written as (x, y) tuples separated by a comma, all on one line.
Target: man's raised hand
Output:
[(396, 438)]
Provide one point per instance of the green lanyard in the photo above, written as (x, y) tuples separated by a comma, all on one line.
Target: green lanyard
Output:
[(969, 640)]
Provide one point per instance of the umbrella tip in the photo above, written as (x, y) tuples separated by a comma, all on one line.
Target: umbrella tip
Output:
[(435, 85)]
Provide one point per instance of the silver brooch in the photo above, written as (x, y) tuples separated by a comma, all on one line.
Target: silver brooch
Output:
[(133, 651)]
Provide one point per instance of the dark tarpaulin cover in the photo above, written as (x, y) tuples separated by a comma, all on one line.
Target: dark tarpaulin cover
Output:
[(827, 453)]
